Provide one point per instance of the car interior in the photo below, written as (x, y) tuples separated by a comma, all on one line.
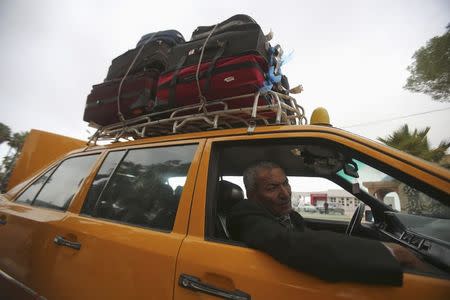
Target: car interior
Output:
[(426, 235), (138, 196)]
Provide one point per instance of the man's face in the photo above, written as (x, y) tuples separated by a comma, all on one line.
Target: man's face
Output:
[(273, 191)]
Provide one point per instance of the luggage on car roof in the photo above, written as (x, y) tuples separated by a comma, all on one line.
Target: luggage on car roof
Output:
[(228, 38), (228, 59), (236, 22), (137, 97), (154, 54), (231, 76)]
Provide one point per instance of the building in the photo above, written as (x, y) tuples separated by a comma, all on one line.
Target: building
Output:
[(318, 199), (342, 199), (335, 199)]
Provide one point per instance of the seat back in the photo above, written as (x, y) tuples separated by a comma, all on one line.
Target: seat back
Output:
[(228, 194)]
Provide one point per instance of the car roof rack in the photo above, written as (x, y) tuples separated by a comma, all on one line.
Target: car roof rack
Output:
[(281, 109)]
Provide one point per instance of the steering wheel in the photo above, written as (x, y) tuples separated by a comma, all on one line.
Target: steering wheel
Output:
[(355, 222)]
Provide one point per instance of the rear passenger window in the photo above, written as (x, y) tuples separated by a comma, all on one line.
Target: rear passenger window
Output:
[(56, 188), (143, 189)]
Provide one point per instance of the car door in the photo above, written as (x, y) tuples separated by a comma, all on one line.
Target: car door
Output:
[(210, 266), (26, 221), (123, 234)]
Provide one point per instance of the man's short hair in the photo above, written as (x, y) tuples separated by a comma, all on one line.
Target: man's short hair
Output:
[(250, 173)]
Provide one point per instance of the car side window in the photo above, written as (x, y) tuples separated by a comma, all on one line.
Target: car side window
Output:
[(329, 182), (321, 199), (395, 191), (56, 188), (315, 198), (141, 188), (30, 193)]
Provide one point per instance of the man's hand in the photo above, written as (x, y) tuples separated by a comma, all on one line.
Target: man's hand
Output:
[(406, 257)]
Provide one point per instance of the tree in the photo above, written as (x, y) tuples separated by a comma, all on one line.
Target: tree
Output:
[(17, 139), (416, 143), (5, 133), (430, 71), (15, 142)]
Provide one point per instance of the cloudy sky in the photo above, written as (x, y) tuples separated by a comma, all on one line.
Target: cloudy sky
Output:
[(350, 56)]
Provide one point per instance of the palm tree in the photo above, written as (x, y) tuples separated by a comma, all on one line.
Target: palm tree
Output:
[(5, 133), (416, 143)]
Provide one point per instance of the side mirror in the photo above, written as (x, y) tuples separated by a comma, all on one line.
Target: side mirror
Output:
[(351, 169)]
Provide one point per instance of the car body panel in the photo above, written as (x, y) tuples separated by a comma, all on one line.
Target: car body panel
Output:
[(120, 261), (21, 254), (116, 261), (233, 268)]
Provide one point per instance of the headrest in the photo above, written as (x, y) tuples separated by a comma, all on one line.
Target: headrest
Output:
[(228, 194)]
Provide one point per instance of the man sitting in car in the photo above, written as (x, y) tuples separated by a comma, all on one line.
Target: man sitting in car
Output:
[(267, 222)]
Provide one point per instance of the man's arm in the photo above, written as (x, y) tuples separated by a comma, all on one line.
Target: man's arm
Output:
[(328, 255)]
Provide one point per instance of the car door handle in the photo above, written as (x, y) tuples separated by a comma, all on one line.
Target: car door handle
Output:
[(195, 284), (59, 240)]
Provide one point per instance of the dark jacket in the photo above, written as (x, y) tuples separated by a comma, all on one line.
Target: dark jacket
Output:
[(328, 255)]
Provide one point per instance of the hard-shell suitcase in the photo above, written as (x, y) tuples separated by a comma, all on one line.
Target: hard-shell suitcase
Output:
[(154, 54), (232, 76), (228, 41), (137, 97)]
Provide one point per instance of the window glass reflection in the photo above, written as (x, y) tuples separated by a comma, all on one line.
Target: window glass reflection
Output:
[(30, 193), (146, 187), (64, 182)]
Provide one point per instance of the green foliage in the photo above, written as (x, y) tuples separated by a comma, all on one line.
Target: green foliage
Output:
[(414, 205), (17, 139), (430, 71), (15, 142), (7, 166), (5, 133), (416, 143)]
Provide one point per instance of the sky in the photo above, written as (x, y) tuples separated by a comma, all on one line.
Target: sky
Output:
[(350, 56)]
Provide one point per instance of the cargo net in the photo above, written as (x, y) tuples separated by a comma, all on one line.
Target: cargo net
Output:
[(270, 108)]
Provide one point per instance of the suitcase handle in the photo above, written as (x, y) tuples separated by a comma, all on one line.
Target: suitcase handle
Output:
[(172, 87), (208, 47), (174, 80), (212, 65)]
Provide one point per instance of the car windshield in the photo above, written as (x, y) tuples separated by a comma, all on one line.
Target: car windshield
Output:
[(395, 193)]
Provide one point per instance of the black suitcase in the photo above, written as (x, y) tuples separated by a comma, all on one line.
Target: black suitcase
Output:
[(230, 24), (233, 37), (153, 55)]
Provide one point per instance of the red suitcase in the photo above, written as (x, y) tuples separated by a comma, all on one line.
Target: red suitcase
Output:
[(232, 76), (137, 97)]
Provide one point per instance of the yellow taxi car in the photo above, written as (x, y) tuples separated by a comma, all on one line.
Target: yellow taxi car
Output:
[(146, 218)]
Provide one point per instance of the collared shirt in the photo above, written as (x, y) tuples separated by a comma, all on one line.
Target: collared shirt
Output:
[(286, 221)]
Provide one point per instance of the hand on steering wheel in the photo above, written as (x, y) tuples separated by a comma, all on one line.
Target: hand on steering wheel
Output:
[(355, 222)]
